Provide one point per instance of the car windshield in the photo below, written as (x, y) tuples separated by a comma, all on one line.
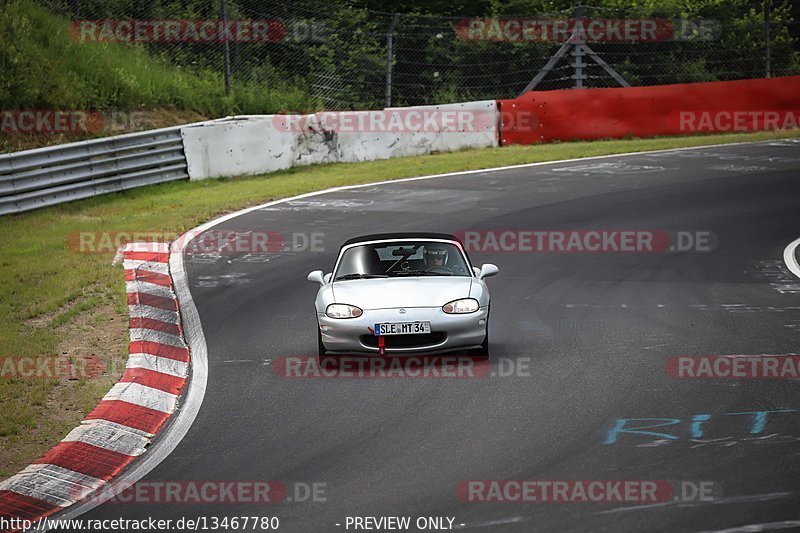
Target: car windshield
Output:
[(398, 259)]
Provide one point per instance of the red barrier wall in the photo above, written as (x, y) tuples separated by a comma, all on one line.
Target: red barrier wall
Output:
[(685, 109)]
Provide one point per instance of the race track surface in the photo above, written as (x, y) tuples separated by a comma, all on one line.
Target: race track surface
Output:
[(589, 335)]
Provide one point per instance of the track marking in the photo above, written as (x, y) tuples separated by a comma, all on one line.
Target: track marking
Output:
[(790, 258)]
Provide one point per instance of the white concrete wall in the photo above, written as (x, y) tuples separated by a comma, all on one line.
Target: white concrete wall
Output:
[(257, 144), (238, 147)]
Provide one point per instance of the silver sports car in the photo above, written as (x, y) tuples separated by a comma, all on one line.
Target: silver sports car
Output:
[(405, 293)]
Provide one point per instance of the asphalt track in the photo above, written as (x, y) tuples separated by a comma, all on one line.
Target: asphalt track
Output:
[(595, 330)]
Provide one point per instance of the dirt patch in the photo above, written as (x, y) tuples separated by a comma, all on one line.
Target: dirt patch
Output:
[(45, 319), (99, 334)]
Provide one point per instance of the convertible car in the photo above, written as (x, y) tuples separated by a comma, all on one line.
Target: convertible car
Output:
[(404, 293)]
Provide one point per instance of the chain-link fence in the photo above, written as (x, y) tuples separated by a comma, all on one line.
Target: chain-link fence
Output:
[(347, 57)]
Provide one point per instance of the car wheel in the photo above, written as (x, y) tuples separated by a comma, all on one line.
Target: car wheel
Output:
[(483, 351), (320, 347)]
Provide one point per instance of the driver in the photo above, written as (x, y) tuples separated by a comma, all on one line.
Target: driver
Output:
[(435, 256)]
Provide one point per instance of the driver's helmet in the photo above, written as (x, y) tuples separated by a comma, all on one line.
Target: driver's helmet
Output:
[(435, 255)]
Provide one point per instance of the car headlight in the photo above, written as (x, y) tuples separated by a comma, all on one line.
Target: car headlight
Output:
[(460, 307), (343, 311)]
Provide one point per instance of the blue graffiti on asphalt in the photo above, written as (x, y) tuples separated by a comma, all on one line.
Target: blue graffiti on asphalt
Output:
[(696, 425)]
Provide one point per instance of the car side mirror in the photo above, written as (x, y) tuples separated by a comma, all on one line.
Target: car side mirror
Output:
[(316, 277), (327, 277), (477, 271), (488, 270)]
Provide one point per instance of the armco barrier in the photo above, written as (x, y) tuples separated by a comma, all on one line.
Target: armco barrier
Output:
[(566, 115), (265, 143), (48, 176)]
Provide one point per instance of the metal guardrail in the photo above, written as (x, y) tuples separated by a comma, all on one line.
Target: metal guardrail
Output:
[(56, 174)]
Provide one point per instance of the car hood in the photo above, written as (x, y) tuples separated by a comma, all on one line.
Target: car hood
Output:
[(434, 291)]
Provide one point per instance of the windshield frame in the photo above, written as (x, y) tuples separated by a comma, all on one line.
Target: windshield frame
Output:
[(470, 268)]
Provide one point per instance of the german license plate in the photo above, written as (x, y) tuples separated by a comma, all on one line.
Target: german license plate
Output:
[(402, 328)]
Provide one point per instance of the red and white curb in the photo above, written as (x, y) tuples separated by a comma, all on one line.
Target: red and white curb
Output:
[(122, 425)]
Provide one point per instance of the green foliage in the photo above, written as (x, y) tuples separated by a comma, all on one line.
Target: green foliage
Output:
[(41, 66)]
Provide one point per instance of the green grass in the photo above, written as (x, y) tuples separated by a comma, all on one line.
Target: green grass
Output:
[(42, 67), (80, 307), (45, 285)]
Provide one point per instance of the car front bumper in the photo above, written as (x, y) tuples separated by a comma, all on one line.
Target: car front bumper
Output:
[(448, 332)]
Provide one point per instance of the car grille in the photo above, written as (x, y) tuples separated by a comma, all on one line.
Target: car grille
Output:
[(405, 341)]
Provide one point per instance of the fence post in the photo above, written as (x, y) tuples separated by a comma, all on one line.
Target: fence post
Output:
[(767, 9), (226, 44), (390, 58), (577, 50)]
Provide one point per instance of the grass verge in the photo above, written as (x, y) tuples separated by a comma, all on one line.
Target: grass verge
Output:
[(43, 66), (55, 301)]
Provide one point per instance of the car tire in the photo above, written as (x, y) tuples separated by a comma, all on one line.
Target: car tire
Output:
[(483, 351), (320, 347)]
